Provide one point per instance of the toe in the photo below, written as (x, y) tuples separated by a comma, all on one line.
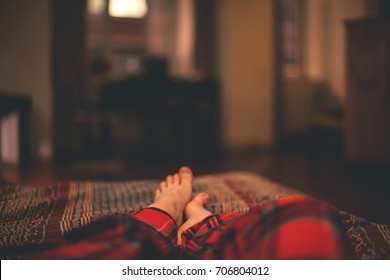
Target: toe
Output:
[(176, 179), (169, 179), (202, 198), (205, 197), (157, 193), (163, 185), (185, 171), (185, 174)]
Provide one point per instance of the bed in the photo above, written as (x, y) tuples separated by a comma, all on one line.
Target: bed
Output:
[(42, 215)]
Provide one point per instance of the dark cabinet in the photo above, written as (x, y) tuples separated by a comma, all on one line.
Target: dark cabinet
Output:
[(367, 123)]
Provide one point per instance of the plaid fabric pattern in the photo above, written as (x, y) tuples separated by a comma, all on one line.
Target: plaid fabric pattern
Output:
[(294, 228), (290, 228), (149, 237)]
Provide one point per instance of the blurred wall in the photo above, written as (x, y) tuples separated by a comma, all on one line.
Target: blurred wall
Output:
[(323, 62), (246, 71), (324, 40), (25, 50)]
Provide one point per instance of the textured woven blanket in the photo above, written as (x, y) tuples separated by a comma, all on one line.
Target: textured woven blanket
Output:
[(43, 214)]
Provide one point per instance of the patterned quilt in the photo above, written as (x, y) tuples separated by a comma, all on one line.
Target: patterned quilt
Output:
[(41, 215)]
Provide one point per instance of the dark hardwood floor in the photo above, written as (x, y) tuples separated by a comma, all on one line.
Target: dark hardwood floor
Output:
[(361, 191)]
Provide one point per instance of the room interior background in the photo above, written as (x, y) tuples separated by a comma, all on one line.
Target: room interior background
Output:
[(262, 98)]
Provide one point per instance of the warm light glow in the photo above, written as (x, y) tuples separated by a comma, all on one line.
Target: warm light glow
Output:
[(96, 7), (128, 8)]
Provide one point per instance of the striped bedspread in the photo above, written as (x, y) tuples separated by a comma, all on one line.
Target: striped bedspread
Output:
[(41, 215)]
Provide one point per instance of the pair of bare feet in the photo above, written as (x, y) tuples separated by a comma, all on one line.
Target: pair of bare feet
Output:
[(175, 197)]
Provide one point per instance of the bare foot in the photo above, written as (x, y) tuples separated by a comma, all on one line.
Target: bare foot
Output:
[(174, 194), (195, 212)]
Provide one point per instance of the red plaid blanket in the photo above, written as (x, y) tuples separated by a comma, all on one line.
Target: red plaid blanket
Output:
[(291, 228)]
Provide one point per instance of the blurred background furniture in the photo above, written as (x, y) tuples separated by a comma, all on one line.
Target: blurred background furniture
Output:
[(367, 126), (15, 129)]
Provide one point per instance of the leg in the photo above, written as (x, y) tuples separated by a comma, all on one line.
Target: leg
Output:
[(200, 224), (174, 194), (170, 199), (195, 213)]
